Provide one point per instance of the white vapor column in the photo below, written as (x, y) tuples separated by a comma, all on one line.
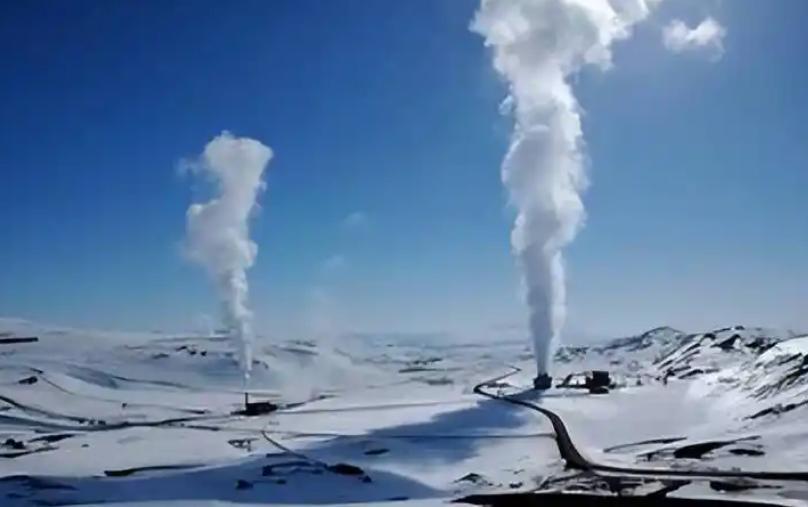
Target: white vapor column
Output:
[(537, 46), (217, 231)]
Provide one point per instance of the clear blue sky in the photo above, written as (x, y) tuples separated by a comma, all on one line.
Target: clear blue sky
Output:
[(697, 211)]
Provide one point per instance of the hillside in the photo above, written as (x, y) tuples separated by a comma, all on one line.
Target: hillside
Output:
[(152, 417)]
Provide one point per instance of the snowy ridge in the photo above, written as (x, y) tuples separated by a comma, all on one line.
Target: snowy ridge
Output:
[(763, 366), (755, 368)]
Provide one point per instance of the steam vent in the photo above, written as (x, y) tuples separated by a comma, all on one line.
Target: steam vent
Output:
[(543, 381)]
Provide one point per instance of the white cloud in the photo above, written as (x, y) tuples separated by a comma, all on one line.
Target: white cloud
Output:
[(319, 295), (336, 262), (355, 220), (707, 37)]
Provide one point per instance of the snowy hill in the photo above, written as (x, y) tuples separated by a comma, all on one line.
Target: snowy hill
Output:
[(98, 416), (626, 354)]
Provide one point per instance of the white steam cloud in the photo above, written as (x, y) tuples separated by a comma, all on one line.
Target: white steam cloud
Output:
[(707, 37), (217, 233), (537, 46)]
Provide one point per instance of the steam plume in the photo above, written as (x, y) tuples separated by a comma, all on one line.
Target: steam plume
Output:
[(537, 46), (218, 230)]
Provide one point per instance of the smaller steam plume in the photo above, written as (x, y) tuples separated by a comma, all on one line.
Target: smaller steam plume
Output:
[(217, 231)]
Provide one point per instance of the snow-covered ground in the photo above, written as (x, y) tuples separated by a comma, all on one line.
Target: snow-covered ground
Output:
[(148, 418)]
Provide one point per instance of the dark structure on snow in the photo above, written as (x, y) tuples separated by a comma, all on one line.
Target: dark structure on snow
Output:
[(252, 408), (543, 381), (595, 381)]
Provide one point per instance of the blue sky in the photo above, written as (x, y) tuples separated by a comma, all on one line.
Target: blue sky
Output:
[(697, 213)]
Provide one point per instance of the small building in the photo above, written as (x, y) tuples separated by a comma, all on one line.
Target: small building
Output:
[(599, 378), (595, 381), (543, 381)]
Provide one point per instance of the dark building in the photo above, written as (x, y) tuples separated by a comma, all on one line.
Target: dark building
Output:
[(598, 382), (599, 378), (543, 381)]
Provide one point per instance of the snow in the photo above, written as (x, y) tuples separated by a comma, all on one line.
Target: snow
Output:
[(797, 345), (104, 403)]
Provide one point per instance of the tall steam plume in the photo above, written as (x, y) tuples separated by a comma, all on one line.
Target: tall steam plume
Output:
[(218, 236), (537, 46)]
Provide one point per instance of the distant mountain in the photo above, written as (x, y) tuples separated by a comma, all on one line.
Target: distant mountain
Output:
[(765, 369), (658, 338), (634, 352), (760, 372)]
